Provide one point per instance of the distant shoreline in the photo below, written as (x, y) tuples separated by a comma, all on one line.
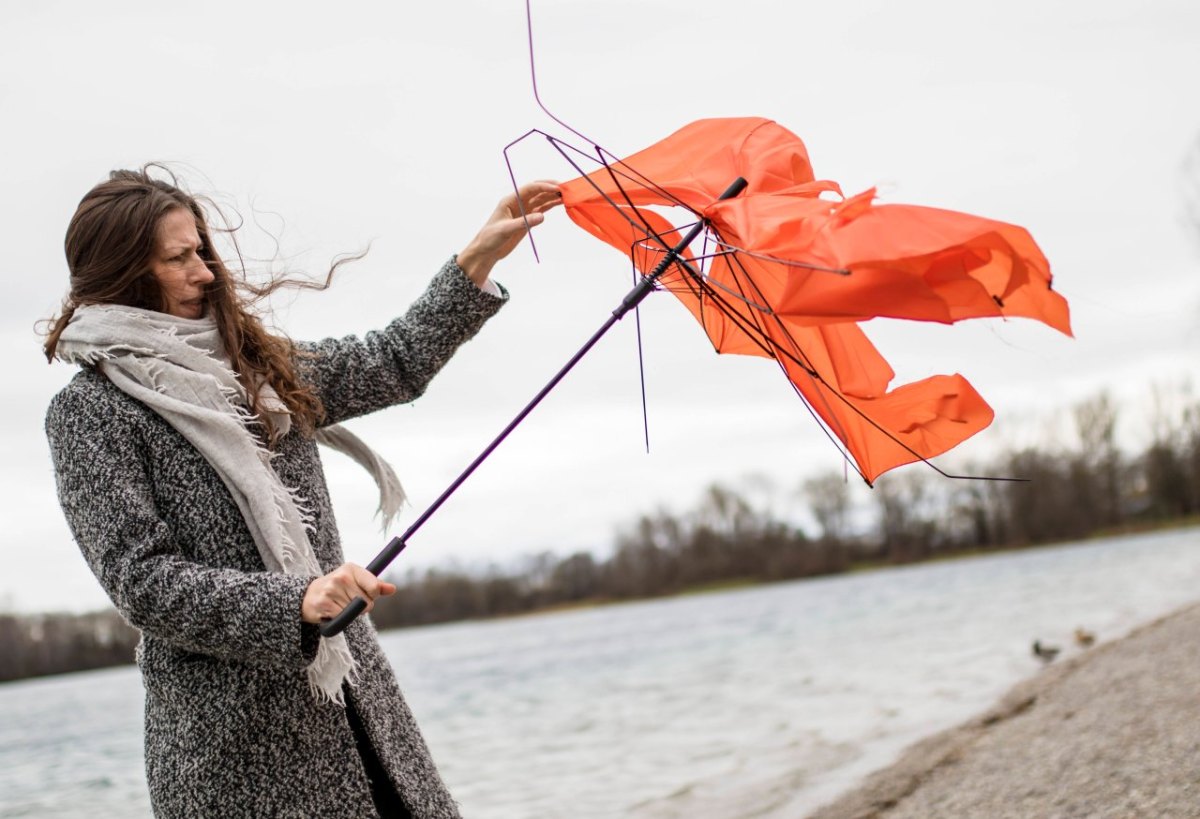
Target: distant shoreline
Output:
[(733, 584), (110, 642)]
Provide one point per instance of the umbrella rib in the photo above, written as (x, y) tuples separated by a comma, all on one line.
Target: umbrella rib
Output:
[(699, 288), (516, 191), (634, 175), (637, 323), (646, 224), (641, 225), (561, 146), (538, 99), (766, 257)]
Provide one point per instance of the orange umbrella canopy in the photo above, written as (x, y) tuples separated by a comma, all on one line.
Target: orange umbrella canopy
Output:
[(792, 267)]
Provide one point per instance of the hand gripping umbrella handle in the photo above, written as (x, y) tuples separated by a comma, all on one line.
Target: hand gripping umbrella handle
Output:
[(336, 625), (357, 606)]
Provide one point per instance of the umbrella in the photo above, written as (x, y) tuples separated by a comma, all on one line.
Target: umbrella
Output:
[(791, 266), (787, 273)]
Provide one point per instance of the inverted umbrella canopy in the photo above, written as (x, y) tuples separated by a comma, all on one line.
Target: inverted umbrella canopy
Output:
[(793, 266)]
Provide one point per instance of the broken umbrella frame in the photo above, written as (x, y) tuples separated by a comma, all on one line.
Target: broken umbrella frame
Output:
[(743, 306)]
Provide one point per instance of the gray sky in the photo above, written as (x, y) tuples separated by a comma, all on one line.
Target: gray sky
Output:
[(384, 122)]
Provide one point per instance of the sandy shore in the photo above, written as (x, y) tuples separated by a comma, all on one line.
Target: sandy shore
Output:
[(1112, 732)]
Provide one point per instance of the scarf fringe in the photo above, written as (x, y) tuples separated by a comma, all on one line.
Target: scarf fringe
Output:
[(323, 685)]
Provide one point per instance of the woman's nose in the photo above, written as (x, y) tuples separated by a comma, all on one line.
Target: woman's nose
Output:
[(198, 272)]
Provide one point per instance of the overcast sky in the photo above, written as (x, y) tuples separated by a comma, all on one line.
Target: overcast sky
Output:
[(370, 122)]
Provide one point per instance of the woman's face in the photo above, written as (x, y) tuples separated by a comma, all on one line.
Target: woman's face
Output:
[(177, 265)]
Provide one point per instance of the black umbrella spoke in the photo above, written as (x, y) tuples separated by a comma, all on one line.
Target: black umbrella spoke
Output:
[(766, 257), (637, 323), (631, 174), (600, 152), (564, 149)]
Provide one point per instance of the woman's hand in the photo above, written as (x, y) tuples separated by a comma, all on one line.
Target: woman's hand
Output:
[(505, 228), (327, 596)]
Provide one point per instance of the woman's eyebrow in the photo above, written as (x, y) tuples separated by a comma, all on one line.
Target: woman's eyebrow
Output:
[(177, 246)]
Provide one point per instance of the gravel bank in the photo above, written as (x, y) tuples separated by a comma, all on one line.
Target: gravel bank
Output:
[(1113, 732)]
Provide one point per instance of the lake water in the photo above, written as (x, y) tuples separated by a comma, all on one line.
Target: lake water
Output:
[(762, 702)]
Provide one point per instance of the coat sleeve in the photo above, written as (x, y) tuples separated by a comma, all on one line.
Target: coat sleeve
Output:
[(106, 495), (354, 376)]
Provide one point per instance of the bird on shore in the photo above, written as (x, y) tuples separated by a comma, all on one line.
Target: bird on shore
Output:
[(1084, 638), (1043, 652)]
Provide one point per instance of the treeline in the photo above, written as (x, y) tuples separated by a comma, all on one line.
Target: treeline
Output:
[(726, 539), (41, 644), (1069, 491), (1078, 484)]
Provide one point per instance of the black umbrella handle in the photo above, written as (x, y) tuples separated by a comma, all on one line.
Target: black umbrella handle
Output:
[(357, 606), (336, 625)]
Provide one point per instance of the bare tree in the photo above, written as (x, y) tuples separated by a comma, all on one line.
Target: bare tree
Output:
[(1096, 472), (907, 516), (828, 498)]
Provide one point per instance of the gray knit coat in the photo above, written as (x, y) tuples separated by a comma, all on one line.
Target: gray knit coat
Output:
[(231, 726)]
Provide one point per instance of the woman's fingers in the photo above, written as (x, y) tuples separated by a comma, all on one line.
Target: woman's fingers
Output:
[(543, 202), (541, 186), (536, 197), (535, 210), (507, 226), (364, 584), (327, 596), (517, 224)]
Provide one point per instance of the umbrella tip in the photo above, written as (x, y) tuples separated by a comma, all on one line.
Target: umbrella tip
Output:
[(735, 187)]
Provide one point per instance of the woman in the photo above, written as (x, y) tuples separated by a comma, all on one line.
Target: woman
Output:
[(185, 452)]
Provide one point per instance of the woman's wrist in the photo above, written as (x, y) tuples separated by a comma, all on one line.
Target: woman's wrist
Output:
[(506, 227), (476, 264)]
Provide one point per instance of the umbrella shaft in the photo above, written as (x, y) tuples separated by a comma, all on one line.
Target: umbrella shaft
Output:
[(643, 288), (397, 544)]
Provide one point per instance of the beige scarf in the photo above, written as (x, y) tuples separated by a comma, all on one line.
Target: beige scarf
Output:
[(178, 368)]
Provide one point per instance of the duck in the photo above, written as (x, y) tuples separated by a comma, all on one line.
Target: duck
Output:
[(1084, 638), (1045, 653)]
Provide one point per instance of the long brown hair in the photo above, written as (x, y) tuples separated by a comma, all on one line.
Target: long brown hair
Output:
[(109, 245)]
